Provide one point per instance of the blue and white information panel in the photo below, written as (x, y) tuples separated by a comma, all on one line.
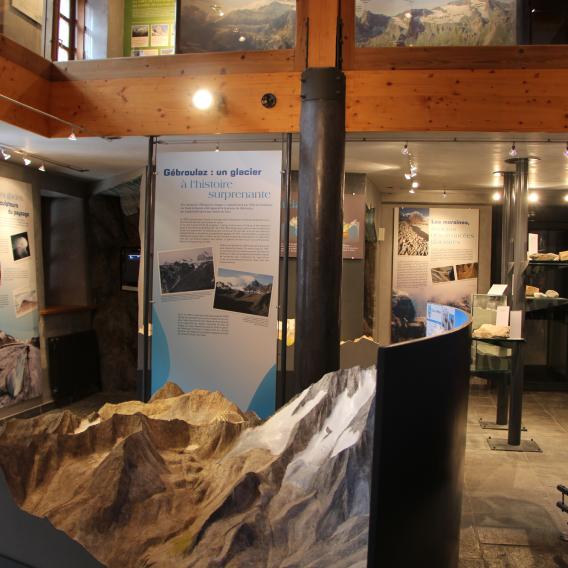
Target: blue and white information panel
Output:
[(215, 284), (440, 319), (20, 366)]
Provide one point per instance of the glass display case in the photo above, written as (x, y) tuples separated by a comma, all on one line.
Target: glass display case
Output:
[(488, 356)]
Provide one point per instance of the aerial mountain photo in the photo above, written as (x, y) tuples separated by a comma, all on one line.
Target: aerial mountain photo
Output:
[(236, 25), (413, 231), (186, 270), (243, 292), (397, 23), (189, 480), (20, 369)]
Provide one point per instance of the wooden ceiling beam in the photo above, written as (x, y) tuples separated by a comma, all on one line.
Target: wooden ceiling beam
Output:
[(141, 106), (24, 77)]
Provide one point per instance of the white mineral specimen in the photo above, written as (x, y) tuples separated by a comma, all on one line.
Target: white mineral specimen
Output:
[(490, 331)]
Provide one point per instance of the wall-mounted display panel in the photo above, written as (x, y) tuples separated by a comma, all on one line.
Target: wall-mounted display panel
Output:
[(33, 9), (149, 27), (407, 23), (236, 25), (20, 367), (216, 274), (435, 260)]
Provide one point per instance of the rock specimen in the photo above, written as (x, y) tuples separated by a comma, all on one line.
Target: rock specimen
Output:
[(531, 291), (189, 480), (490, 331), (552, 294), (544, 256), (563, 255)]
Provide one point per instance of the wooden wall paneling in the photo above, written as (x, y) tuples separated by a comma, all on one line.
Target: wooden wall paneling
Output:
[(348, 32), (506, 100), (322, 31), (21, 84), (141, 106), (478, 57), (194, 64), (301, 35)]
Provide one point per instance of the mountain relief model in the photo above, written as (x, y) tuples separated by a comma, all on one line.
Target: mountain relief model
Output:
[(189, 480), (460, 22)]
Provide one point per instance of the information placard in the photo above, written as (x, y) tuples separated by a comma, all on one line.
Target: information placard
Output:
[(20, 367), (216, 274), (435, 259), (149, 27)]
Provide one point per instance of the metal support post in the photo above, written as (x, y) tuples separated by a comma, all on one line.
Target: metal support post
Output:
[(320, 225)]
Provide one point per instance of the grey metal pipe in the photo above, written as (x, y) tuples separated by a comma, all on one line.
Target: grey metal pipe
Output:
[(320, 225), (281, 391), (506, 245), (518, 237), (148, 266)]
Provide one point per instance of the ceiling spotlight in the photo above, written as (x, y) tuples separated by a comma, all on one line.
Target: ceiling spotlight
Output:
[(408, 176), (497, 196), (566, 197), (202, 99), (42, 167), (413, 168), (6, 155), (27, 161), (566, 151), (72, 136), (415, 185), (444, 194), (221, 13), (533, 197), (405, 151), (217, 149), (513, 152), (411, 190), (242, 39), (408, 15)]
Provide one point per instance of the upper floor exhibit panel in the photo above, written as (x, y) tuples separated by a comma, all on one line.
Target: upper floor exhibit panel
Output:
[(67, 30)]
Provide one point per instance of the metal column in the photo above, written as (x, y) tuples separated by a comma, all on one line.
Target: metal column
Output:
[(506, 244), (517, 245), (320, 225), (148, 252), (287, 173)]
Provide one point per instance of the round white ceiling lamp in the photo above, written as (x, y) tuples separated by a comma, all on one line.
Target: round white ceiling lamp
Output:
[(202, 99), (534, 197)]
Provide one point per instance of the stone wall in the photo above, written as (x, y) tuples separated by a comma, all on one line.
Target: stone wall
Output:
[(115, 319)]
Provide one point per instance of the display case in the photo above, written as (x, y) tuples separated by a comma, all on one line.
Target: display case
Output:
[(487, 356), (546, 328)]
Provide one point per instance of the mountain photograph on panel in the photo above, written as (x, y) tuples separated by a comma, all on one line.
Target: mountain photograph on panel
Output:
[(20, 369), (413, 231), (186, 270), (243, 292), (236, 25), (407, 23)]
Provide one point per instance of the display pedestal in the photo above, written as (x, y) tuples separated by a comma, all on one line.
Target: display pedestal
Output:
[(488, 425), (504, 446)]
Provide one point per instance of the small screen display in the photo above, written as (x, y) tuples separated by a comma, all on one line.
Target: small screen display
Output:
[(130, 265)]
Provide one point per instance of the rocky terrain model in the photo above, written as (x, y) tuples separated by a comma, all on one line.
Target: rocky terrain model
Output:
[(189, 480)]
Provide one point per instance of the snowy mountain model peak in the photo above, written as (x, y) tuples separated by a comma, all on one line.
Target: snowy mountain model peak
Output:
[(189, 480)]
